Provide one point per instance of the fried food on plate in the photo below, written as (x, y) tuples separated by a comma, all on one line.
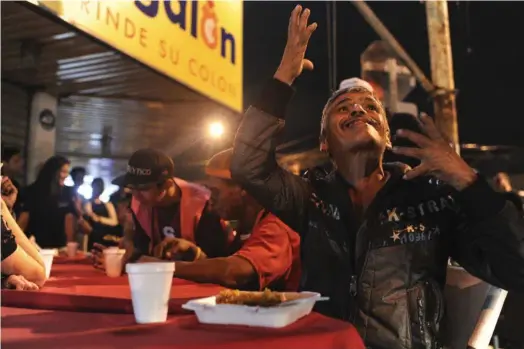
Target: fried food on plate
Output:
[(267, 298)]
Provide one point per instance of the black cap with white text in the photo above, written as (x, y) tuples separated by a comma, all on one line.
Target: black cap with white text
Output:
[(146, 167)]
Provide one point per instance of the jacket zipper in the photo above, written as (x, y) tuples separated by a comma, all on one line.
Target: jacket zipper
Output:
[(358, 270), (438, 312)]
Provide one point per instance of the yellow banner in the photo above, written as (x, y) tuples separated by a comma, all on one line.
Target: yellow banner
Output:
[(198, 43)]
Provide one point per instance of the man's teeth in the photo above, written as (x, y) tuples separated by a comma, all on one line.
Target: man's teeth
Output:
[(349, 123)]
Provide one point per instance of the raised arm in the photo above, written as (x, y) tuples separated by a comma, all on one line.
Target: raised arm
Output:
[(488, 239), (254, 163)]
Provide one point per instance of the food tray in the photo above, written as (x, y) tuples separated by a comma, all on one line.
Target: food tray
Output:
[(208, 312)]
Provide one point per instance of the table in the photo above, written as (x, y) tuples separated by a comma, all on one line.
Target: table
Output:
[(43, 329), (81, 308), (80, 287)]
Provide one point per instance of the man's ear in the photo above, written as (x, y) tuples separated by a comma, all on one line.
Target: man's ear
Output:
[(164, 186)]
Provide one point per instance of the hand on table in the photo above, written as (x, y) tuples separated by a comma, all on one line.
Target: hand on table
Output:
[(436, 156), (298, 34), (18, 282), (97, 256), (178, 249)]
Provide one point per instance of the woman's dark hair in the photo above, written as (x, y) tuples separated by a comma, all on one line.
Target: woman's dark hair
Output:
[(46, 183), (97, 183)]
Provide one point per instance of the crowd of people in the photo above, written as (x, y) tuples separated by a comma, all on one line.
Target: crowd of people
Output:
[(374, 237), (50, 214)]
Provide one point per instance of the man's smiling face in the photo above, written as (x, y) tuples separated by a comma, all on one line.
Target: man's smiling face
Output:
[(355, 121)]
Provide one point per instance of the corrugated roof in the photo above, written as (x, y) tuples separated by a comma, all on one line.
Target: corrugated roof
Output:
[(109, 104)]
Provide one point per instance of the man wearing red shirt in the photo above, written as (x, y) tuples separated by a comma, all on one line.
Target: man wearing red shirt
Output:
[(269, 252)]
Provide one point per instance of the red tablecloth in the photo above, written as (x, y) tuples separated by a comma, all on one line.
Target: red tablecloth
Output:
[(30, 328), (80, 287), (80, 258)]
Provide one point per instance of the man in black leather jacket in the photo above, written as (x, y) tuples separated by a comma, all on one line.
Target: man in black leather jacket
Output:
[(376, 237)]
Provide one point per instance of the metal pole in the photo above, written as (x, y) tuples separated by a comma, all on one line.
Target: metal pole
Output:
[(385, 35), (334, 32), (442, 70), (391, 65)]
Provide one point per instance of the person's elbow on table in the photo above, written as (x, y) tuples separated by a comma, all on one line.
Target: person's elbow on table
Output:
[(239, 273), (232, 272), (40, 278), (36, 275), (19, 263)]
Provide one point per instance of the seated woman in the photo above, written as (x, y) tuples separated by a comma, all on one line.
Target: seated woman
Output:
[(47, 209), (21, 266), (102, 218)]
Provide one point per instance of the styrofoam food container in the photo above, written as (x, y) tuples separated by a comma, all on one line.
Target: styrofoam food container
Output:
[(208, 312)]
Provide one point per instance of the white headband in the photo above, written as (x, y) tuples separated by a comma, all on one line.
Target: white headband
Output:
[(345, 85), (354, 82)]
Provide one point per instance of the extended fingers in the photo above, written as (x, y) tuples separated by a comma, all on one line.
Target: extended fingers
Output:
[(429, 127), (299, 21), (304, 16), (22, 283), (31, 286), (311, 28), (408, 151), (294, 19), (417, 138), (420, 170)]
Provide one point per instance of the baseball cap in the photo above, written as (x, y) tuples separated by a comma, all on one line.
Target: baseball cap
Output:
[(219, 164), (145, 167)]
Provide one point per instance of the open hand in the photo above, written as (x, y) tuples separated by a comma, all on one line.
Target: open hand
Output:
[(298, 34), (177, 249), (18, 282), (437, 157), (97, 256)]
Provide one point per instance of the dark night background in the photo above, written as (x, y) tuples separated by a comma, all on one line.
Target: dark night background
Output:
[(487, 56)]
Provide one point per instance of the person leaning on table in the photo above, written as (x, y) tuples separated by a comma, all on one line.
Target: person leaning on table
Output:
[(21, 266), (269, 251), (164, 206)]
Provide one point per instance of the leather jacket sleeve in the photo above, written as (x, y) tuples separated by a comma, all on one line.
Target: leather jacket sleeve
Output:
[(254, 165), (489, 239)]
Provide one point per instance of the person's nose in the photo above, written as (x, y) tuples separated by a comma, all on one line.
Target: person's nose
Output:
[(356, 110)]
